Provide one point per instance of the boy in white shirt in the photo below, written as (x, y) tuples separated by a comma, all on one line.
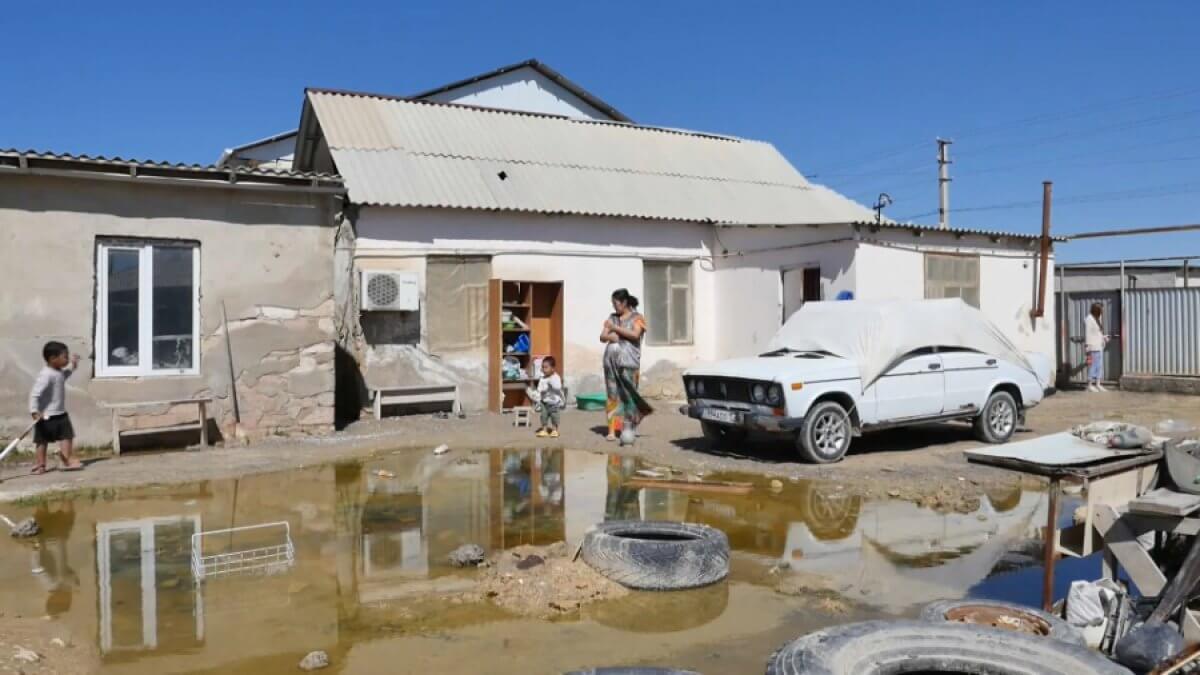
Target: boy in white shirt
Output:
[(550, 398)]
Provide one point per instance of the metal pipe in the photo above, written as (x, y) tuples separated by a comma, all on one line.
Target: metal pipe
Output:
[(1098, 234), (1186, 266), (1121, 320), (1047, 192), (1129, 260), (1049, 547), (1064, 343)]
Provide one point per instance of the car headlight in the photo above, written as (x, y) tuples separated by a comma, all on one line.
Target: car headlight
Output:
[(690, 386), (774, 396), (699, 387), (758, 393)]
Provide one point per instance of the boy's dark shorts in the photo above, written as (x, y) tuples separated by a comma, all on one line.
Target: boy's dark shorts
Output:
[(53, 429)]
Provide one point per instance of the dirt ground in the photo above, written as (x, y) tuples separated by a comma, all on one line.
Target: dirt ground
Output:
[(923, 464), (543, 582), (37, 646)]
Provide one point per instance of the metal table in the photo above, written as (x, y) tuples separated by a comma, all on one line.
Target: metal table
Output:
[(1056, 473)]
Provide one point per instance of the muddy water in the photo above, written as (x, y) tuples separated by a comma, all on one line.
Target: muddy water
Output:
[(364, 576)]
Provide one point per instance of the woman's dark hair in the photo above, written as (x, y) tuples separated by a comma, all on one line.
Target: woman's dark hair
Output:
[(1097, 310), (624, 296)]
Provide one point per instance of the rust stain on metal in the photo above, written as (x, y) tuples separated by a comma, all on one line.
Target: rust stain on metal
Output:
[(1000, 617)]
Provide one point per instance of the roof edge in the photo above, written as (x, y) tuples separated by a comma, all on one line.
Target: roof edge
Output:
[(51, 163)]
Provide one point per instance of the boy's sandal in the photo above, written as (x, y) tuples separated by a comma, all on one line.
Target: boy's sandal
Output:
[(39, 470)]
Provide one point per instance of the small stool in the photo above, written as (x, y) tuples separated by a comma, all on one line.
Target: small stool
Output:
[(522, 416)]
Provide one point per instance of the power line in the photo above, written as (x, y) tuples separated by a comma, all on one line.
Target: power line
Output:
[(1120, 195)]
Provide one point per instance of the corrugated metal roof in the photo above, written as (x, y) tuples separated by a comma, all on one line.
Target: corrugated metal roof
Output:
[(398, 152), (99, 162), (957, 231)]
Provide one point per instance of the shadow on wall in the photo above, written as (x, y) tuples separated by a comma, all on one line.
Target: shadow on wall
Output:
[(350, 390)]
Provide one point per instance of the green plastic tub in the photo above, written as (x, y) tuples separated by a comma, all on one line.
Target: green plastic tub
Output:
[(590, 401)]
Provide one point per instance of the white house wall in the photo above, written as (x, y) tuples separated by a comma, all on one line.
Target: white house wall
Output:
[(591, 256), (749, 285), (522, 89), (891, 266)]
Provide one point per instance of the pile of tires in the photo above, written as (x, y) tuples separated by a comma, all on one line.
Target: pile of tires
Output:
[(878, 647), (657, 556)]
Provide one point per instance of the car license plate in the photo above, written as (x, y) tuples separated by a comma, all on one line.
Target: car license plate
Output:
[(722, 416)]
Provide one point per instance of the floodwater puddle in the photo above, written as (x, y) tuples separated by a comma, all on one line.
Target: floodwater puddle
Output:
[(352, 559)]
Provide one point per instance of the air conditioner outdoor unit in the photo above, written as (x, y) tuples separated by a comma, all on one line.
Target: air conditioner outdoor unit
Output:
[(389, 292)]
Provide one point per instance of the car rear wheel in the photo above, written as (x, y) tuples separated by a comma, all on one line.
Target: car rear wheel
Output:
[(722, 436), (998, 421), (825, 436)]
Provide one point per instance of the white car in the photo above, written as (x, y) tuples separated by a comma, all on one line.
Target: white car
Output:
[(838, 369)]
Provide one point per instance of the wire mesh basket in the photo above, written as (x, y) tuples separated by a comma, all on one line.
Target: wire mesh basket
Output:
[(272, 552)]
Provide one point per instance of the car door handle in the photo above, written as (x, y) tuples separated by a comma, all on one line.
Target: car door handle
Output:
[(991, 362), (935, 366)]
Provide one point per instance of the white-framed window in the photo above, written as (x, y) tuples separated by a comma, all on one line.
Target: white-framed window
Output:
[(952, 276), (668, 307), (147, 308)]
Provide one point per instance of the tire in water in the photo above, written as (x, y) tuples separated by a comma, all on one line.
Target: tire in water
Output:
[(876, 647)]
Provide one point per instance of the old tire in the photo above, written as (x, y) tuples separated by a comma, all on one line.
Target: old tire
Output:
[(657, 556), (997, 422), (1032, 621), (723, 437), (825, 435), (878, 647)]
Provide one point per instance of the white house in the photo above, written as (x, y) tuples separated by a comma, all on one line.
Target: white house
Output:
[(722, 238)]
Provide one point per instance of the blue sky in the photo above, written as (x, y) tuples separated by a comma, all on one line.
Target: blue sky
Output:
[(1101, 98)]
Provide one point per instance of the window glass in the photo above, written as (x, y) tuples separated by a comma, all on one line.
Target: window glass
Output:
[(655, 306), (173, 308), (952, 276), (681, 326), (122, 307)]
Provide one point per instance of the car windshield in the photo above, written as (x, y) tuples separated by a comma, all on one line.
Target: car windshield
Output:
[(784, 351)]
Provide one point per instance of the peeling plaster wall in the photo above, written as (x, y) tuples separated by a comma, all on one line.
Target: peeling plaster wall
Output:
[(266, 255), (591, 256)]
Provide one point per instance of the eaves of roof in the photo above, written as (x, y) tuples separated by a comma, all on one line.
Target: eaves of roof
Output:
[(54, 163)]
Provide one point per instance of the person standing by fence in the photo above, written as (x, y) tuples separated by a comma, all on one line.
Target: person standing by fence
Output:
[(1094, 343)]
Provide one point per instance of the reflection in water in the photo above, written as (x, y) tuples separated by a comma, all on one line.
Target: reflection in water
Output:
[(370, 538)]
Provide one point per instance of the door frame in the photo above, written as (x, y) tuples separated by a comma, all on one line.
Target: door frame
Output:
[(783, 273)]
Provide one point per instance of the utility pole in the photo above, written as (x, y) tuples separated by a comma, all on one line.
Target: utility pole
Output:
[(943, 183)]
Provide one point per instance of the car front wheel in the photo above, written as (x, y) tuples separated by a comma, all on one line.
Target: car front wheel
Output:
[(998, 421), (723, 437), (825, 436)]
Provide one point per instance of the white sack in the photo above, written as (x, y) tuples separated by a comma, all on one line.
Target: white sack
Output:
[(876, 335)]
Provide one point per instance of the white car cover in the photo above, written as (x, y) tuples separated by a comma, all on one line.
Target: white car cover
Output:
[(876, 335)]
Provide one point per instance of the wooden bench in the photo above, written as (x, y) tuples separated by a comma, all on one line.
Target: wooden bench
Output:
[(423, 393), (202, 413)]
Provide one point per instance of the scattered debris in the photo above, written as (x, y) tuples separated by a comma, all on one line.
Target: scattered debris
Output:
[(384, 473), (315, 661), (441, 449), (26, 655), (776, 485), (893, 493), (59, 642), (649, 473), (467, 555), (529, 562), (556, 586), (26, 528)]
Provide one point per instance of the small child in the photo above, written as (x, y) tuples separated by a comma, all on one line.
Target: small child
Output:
[(550, 398), (48, 405)]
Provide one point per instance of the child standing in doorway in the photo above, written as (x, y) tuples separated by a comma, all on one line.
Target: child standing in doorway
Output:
[(550, 398), (48, 406)]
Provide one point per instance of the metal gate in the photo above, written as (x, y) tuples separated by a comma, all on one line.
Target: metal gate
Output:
[(1079, 305), (1164, 331)]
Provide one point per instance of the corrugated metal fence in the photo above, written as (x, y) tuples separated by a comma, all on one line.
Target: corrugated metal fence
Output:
[(1163, 331), (1079, 304)]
